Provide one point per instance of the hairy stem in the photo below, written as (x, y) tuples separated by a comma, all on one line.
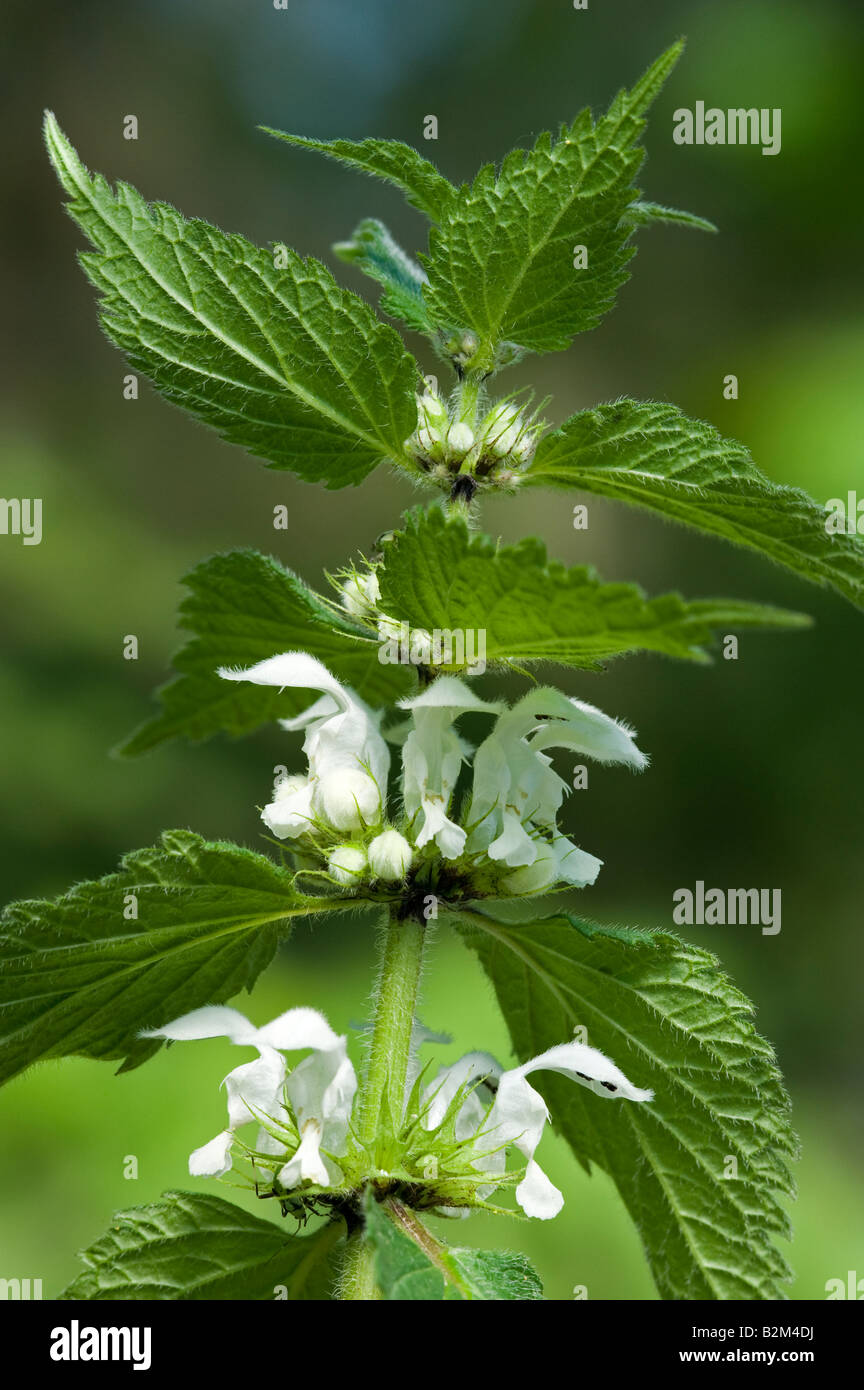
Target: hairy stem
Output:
[(357, 1282), (382, 1094)]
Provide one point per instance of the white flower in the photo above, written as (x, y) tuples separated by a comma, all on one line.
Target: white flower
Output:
[(558, 861), (516, 792), (348, 759), (390, 856), (431, 758), (346, 864), (320, 1088), (518, 1113)]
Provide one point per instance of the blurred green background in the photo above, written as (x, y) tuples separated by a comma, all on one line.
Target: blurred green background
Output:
[(756, 764)]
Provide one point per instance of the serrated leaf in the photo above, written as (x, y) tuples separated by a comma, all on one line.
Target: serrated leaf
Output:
[(189, 1246), (275, 357), (650, 454), (392, 160), (436, 575), (373, 250), (501, 263), (81, 976), (244, 607), (412, 1265), (645, 214), (669, 1017)]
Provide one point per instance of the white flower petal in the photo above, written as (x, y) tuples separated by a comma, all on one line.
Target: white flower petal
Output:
[(296, 1029), (518, 1114), (440, 1093), (290, 812), (589, 1067), (212, 1160), (266, 1143), (448, 836), (536, 1195), (448, 692), (322, 1089), (290, 669), (307, 1163), (575, 865), (588, 730), (321, 709), (255, 1088), (513, 845), (211, 1021)]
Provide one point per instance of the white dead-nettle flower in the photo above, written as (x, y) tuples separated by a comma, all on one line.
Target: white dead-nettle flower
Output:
[(432, 755), (516, 794), (390, 856), (348, 759), (347, 864), (319, 1090), (517, 1115)]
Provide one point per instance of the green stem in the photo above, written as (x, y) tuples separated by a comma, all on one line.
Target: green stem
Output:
[(357, 1283), (382, 1094)]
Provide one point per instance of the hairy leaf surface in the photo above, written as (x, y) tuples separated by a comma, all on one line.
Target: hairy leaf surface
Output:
[(437, 576), (651, 455), (189, 1246), (185, 923), (244, 607), (267, 349), (703, 1167)]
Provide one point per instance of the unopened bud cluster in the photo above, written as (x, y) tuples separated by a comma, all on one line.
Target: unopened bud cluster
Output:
[(496, 447)]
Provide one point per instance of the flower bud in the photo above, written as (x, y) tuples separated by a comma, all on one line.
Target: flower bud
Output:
[(346, 864), (390, 856), (348, 798), (502, 428), (431, 409), (460, 438), (360, 593), (431, 425)]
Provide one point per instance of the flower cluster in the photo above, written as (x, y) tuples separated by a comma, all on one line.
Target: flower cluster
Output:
[(304, 1115), (500, 836), (498, 446)]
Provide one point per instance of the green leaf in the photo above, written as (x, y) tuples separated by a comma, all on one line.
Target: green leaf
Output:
[(436, 575), (244, 607), (373, 250), (667, 1015), (502, 261), (276, 357), (391, 160), (645, 214), (82, 975), (188, 1247), (650, 454), (411, 1265)]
